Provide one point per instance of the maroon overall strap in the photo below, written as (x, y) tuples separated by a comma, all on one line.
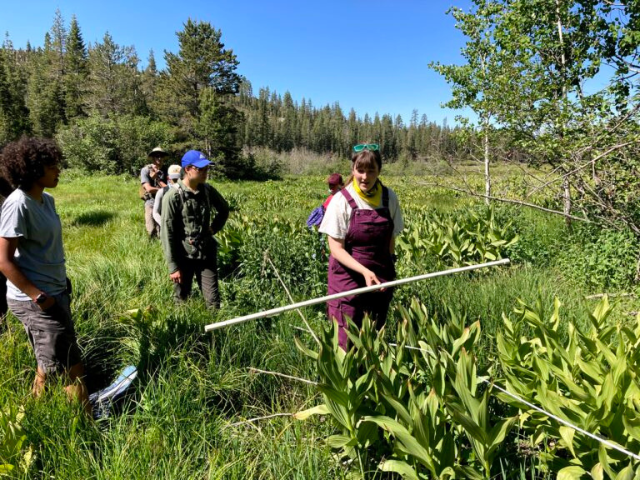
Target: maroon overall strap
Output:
[(347, 195)]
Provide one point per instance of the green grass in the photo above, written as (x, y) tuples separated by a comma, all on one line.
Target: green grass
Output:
[(193, 386)]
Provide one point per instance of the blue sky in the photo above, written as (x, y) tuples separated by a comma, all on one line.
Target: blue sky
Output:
[(370, 55)]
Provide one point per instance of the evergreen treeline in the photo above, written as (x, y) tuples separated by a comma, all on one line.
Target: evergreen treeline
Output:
[(106, 110), (279, 123)]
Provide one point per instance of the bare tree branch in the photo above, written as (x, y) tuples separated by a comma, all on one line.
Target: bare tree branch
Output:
[(581, 167), (507, 200), (266, 256)]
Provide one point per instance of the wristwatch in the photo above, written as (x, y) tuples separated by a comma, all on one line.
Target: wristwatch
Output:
[(41, 298)]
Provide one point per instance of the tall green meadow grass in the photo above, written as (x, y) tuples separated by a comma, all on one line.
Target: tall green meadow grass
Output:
[(191, 413)]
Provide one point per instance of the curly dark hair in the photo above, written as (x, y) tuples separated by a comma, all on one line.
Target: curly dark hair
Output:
[(22, 162)]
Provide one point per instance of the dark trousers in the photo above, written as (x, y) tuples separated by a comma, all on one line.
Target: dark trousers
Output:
[(3, 301), (206, 273)]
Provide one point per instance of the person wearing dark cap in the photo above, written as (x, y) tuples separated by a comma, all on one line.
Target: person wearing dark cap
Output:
[(192, 214), (335, 185), (152, 179)]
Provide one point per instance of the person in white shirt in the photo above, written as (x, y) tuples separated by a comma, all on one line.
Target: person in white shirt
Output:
[(174, 175), (361, 223)]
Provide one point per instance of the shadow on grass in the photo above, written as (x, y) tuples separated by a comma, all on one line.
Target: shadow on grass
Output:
[(93, 219)]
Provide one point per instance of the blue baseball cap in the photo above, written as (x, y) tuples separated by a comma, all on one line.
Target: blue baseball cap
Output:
[(195, 158)]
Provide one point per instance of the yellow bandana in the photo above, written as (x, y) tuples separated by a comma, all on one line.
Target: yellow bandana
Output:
[(373, 197)]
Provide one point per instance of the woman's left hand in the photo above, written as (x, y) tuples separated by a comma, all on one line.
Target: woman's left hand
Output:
[(370, 278)]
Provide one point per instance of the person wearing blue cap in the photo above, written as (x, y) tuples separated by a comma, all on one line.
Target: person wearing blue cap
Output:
[(191, 215)]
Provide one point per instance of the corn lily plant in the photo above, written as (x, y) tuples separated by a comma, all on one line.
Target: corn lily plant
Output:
[(417, 412), (588, 377)]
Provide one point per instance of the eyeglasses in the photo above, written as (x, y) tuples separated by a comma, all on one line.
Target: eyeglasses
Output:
[(199, 169), (372, 147)]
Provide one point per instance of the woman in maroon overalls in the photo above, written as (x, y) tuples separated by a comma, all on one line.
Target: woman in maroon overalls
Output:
[(361, 223)]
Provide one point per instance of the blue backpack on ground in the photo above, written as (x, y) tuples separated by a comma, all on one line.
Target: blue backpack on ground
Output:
[(316, 216)]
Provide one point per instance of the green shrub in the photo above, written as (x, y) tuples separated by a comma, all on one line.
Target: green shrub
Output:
[(112, 145), (601, 258)]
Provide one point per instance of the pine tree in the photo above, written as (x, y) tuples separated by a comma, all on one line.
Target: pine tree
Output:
[(55, 69), (218, 126), (45, 98), (113, 83), (14, 116), (202, 61), (148, 88), (76, 71)]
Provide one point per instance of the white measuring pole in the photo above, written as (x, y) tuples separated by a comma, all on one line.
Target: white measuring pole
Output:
[(357, 291)]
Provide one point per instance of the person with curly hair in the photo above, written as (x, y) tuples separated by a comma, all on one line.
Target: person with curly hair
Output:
[(5, 191), (32, 259)]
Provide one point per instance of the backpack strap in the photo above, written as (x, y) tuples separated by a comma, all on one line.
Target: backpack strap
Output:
[(181, 195), (347, 195)]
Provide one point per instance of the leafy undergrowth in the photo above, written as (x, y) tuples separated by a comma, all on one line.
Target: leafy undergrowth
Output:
[(188, 416)]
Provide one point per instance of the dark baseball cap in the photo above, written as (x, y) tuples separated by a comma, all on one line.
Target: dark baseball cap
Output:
[(334, 179)]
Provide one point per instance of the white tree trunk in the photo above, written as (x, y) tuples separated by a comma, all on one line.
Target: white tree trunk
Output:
[(566, 190), (566, 195), (487, 176)]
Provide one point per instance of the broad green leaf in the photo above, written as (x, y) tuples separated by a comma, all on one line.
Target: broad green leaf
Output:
[(305, 350), (597, 472), (541, 367), (460, 341), (400, 467), (604, 460), (632, 426), (567, 434), (407, 440), (571, 473), (626, 474), (317, 410), (340, 414), (470, 427), (607, 393), (500, 431), (470, 472), (339, 441), (400, 409), (608, 354), (591, 369), (341, 398)]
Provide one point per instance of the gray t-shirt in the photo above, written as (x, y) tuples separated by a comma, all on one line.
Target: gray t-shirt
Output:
[(145, 177), (40, 254)]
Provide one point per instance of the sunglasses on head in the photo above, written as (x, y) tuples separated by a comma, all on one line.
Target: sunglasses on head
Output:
[(372, 147)]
